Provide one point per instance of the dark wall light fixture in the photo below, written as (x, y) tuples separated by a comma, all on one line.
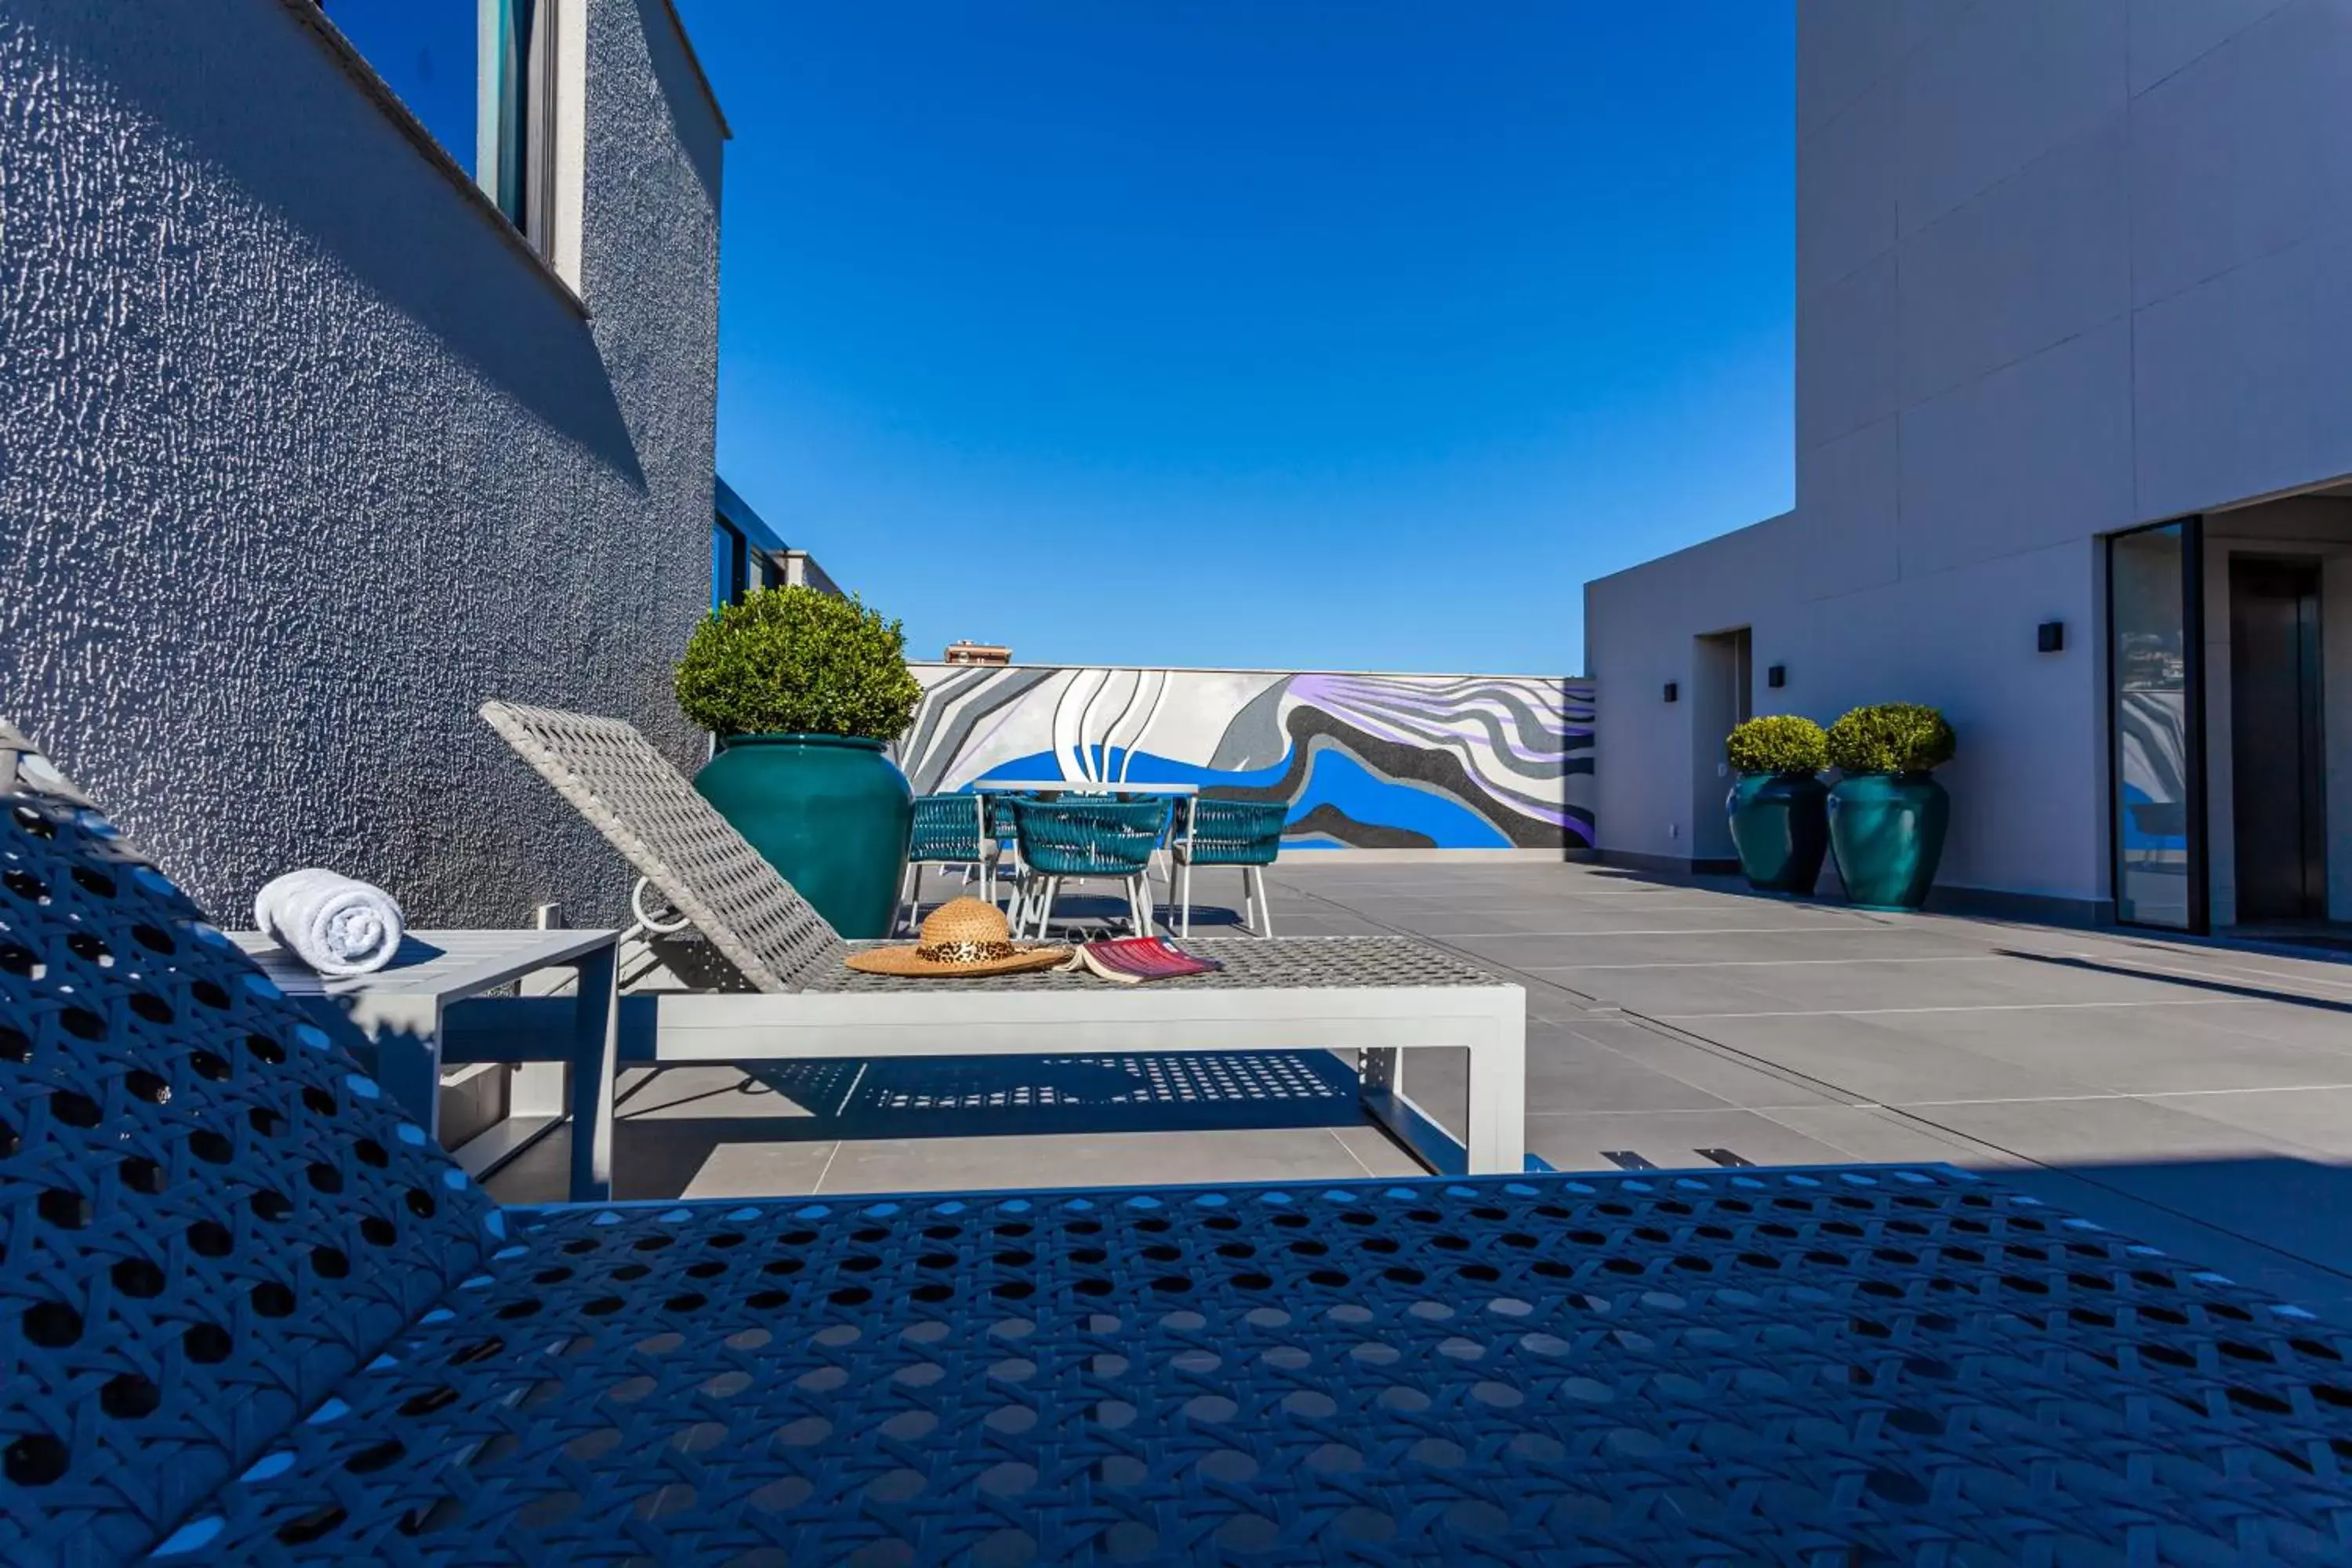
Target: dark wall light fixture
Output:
[(1776, 675), (2050, 637), (1672, 691)]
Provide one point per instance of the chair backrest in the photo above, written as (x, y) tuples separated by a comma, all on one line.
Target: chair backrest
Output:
[(1081, 835), (645, 809), (947, 827), (1237, 832), (208, 1215)]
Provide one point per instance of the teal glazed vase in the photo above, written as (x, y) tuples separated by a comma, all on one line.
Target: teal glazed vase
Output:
[(1780, 823), (1887, 833), (830, 813)]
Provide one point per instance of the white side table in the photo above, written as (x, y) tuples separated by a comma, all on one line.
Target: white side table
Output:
[(400, 1013)]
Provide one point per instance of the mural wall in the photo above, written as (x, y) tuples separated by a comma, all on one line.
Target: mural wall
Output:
[(1366, 762)]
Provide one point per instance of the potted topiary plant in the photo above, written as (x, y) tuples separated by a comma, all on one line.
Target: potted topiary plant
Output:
[(1887, 816), (804, 690), (1779, 805)]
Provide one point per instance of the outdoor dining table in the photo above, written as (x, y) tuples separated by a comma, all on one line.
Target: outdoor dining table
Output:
[(1085, 786), (1080, 787)]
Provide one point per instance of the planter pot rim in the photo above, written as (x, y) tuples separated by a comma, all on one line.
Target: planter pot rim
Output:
[(1918, 776), (801, 738), (1784, 773)]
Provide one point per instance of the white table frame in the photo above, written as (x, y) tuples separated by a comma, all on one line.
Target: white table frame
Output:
[(1381, 1022), (400, 1016), (682, 1027)]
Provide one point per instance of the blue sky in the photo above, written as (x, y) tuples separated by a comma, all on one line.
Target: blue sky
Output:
[(1292, 334)]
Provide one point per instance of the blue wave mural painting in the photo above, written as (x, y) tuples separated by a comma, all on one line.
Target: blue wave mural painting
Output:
[(1364, 762)]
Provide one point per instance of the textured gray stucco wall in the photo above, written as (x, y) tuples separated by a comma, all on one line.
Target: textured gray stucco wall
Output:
[(299, 459)]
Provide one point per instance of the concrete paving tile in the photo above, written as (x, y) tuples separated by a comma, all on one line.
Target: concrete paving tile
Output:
[(1697, 993), (2160, 1061), (793, 1092), (2132, 1050), (1671, 1139), (2261, 973), (1693, 995), (1815, 945), (2310, 1118), (1377, 1153), (671, 1158), (754, 1169), (1745, 1084), (1888, 1136), (1088, 1160), (1869, 1062), (2106, 1131), (1580, 1076), (2282, 1022)]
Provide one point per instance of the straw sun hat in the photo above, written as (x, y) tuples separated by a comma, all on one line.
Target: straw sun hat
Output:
[(963, 936)]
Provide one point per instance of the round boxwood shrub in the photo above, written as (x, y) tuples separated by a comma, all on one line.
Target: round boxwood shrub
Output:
[(1778, 743), (1891, 738), (797, 661)]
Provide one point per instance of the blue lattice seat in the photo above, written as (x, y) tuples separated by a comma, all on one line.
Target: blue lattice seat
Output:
[(248, 1315), (210, 1217)]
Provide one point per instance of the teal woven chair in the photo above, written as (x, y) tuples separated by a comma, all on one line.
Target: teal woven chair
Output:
[(949, 830), (1084, 837), (1243, 833)]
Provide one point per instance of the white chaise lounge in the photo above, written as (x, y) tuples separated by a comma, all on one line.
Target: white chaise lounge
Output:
[(1373, 996)]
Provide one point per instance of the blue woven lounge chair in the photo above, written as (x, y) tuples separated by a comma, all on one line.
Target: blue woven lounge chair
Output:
[(1246, 834), (949, 830), (250, 1316)]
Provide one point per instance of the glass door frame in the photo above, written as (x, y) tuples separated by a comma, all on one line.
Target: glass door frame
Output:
[(2192, 627)]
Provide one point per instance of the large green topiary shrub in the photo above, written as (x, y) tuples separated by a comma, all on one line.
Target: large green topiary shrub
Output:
[(1891, 738), (796, 661), (1778, 743)]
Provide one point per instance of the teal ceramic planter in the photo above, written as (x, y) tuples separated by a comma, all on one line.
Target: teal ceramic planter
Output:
[(832, 813), (1780, 823), (1887, 832)]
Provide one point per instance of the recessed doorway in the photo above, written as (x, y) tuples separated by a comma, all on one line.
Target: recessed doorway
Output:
[(1722, 676), (2277, 740)]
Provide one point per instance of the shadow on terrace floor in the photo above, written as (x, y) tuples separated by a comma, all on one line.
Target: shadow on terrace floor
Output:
[(2193, 982), (1009, 1122)]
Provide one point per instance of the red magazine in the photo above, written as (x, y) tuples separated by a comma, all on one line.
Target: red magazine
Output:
[(1131, 961)]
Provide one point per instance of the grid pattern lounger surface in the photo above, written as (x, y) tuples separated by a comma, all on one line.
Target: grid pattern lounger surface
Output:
[(250, 1316), (641, 804)]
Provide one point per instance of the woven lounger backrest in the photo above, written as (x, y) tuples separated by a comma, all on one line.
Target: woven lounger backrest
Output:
[(209, 1215), (645, 808)]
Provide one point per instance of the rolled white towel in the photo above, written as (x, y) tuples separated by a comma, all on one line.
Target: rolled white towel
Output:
[(335, 924)]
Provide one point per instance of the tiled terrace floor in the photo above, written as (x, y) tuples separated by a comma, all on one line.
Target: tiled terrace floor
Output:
[(2198, 1095)]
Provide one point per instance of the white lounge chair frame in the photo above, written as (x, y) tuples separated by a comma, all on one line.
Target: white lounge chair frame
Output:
[(1378, 997)]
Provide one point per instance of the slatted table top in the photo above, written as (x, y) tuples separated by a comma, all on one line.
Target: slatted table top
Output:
[(1848, 1365)]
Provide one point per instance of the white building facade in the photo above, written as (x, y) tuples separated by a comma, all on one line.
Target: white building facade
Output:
[(2074, 367)]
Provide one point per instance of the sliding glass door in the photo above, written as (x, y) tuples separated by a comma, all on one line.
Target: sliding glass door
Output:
[(2156, 714)]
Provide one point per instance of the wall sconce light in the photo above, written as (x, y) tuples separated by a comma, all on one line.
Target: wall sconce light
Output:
[(2050, 637), (1672, 691), (1776, 675)]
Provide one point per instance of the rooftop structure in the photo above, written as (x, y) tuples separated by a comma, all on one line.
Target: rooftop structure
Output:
[(2070, 353)]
